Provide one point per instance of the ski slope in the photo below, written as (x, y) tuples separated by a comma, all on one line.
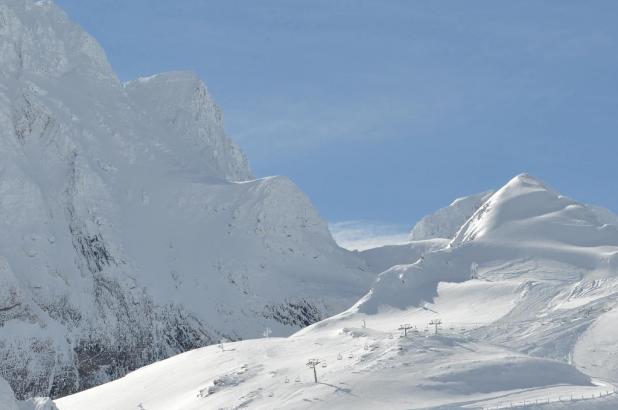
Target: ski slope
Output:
[(516, 310), (132, 230), (366, 368)]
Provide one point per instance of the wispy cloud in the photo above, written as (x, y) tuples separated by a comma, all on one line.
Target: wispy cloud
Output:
[(361, 235), (278, 127)]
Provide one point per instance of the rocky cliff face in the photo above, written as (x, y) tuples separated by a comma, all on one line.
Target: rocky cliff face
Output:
[(130, 226), (9, 402)]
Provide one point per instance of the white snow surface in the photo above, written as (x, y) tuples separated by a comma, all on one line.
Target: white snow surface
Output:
[(381, 258), (526, 294), (445, 222), (131, 227), (367, 367), (434, 231)]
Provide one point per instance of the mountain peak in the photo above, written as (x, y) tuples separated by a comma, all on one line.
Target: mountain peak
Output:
[(445, 222), (527, 181), (182, 101), (55, 49), (524, 210)]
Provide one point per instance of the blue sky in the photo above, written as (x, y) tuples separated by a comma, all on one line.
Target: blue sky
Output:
[(383, 111)]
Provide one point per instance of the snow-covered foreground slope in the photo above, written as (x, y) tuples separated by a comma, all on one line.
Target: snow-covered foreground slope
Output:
[(525, 296), (365, 368), (131, 227)]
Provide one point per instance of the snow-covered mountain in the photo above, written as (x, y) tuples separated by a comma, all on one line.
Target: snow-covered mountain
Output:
[(431, 233), (445, 222), (552, 261), (436, 230), (518, 309), (130, 226), (131, 230)]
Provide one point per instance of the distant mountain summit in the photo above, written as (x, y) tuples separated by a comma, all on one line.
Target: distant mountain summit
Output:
[(131, 227), (532, 254), (525, 209), (445, 222)]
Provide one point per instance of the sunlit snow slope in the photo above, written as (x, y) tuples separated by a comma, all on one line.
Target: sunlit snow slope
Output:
[(366, 368), (555, 260), (131, 227), (431, 233), (525, 294)]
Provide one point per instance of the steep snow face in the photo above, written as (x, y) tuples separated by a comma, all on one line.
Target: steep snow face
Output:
[(556, 263), (525, 208), (445, 222), (181, 100), (38, 39), (130, 229)]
